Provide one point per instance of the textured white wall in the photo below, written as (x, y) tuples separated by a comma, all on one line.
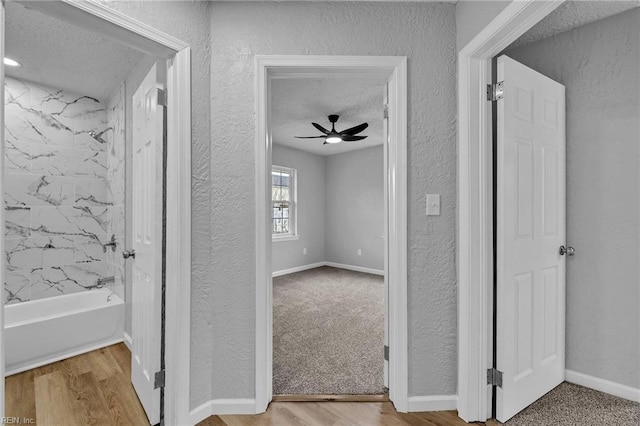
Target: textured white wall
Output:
[(355, 208), (599, 64), (310, 169), (473, 15), (425, 33)]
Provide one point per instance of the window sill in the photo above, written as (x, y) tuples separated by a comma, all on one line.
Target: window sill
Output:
[(285, 238)]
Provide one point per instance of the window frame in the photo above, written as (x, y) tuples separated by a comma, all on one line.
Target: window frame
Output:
[(293, 204)]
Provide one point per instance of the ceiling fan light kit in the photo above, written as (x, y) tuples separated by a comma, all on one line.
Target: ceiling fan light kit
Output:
[(332, 136)]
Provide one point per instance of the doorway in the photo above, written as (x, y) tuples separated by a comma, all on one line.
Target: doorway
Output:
[(329, 237), (279, 67), (475, 122), (101, 20)]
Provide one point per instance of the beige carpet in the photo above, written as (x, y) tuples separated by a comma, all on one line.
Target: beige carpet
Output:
[(328, 327), (573, 405)]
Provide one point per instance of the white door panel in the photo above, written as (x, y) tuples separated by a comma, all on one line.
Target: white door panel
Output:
[(146, 290), (530, 230)]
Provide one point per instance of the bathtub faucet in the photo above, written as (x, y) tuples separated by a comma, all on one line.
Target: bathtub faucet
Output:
[(102, 281)]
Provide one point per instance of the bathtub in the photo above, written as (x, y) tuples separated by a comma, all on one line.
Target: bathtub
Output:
[(43, 331)]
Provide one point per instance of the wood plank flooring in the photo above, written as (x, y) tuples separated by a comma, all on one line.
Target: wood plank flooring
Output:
[(336, 413), (95, 389), (89, 389)]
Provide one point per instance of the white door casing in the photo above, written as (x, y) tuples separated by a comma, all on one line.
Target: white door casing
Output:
[(306, 66), (530, 230), (146, 290), (385, 236)]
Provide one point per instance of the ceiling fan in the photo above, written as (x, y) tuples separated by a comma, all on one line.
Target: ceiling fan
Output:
[(334, 136)]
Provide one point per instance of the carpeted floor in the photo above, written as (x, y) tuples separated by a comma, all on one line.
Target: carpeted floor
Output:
[(573, 405), (328, 327)]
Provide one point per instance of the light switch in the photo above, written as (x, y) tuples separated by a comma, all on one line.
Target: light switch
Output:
[(433, 204)]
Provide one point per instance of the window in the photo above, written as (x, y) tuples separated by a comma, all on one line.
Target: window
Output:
[(283, 196)]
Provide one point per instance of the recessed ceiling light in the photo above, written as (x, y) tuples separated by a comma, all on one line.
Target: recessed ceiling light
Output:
[(11, 62)]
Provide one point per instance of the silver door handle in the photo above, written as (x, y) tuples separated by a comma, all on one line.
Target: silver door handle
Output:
[(129, 253), (569, 251)]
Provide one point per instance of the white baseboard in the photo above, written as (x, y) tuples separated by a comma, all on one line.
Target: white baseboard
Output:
[(297, 269), (433, 403), (603, 385), (128, 341), (222, 406), (355, 268), (332, 264)]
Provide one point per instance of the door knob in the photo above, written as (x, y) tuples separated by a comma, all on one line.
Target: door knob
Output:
[(129, 253), (569, 251)]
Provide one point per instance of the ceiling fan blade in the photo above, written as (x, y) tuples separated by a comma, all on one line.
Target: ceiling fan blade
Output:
[(319, 127), (355, 130), (349, 138), (309, 137)]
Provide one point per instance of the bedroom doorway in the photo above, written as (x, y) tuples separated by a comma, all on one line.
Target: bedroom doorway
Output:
[(270, 70), (329, 238)]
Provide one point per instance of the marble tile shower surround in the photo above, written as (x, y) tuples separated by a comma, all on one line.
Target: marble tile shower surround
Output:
[(116, 184), (59, 206)]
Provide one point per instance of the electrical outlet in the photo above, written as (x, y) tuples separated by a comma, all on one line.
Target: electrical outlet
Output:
[(304, 251), (359, 252)]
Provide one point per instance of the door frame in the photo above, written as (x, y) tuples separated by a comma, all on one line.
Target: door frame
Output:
[(117, 26), (307, 66), (474, 251)]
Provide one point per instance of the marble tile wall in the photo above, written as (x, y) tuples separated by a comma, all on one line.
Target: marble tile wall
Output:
[(59, 204), (116, 184)]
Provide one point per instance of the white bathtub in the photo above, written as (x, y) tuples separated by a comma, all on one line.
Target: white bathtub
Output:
[(43, 331)]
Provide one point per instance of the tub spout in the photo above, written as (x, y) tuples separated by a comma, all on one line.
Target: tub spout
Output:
[(102, 281)]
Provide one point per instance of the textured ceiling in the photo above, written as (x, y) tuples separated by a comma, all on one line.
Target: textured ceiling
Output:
[(58, 54), (573, 14), (296, 103)]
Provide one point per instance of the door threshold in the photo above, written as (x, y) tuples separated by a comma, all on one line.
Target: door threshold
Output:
[(331, 398)]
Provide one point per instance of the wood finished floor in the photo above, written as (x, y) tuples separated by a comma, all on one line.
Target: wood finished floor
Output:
[(95, 389), (90, 389), (336, 414)]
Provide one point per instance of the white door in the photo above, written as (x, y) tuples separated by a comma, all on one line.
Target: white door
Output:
[(146, 289), (530, 230), (385, 237)]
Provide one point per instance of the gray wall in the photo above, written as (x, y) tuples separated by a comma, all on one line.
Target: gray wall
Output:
[(224, 38), (310, 205), (425, 33), (473, 15), (190, 22), (355, 208), (599, 65)]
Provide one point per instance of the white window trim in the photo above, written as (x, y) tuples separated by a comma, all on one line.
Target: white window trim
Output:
[(293, 210)]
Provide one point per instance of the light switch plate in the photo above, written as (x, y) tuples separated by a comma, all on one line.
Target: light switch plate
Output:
[(433, 204)]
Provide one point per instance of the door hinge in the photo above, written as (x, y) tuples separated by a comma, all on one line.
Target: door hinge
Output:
[(495, 92), (385, 112), (494, 377), (158, 381), (386, 353), (162, 97)]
